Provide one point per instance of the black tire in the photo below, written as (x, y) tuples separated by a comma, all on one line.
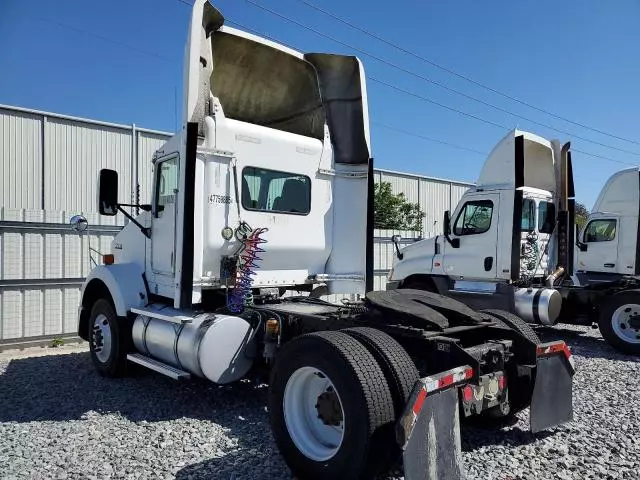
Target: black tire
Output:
[(397, 366), (367, 405), (606, 320), (514, 322), (115, 363)]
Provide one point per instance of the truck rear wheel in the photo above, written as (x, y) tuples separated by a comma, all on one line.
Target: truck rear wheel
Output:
[(514, 322), (330, 407), (619, 321), (108, 344), (398, 368)]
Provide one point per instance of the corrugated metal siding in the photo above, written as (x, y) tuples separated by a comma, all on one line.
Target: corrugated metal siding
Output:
[(147, 144), (433, 195), (20, 159), (32, 308), (408, 185), (457, 191), (74, 154), (434, 200)]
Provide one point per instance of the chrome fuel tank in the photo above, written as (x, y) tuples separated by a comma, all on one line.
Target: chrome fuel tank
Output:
[(538, 305), (217, 347)]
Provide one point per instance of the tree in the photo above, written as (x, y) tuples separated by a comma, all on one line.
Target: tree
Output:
[(581, 215), (393, 211)]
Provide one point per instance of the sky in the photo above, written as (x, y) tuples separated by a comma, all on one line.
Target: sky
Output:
[(121, 61)]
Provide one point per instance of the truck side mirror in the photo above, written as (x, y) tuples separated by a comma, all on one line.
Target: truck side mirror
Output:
[(108, 192), (454, 242), (447, 223), (581, 245)]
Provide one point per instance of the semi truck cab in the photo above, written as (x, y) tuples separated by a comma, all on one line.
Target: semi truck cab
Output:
[(511, 244), (608, 244), (502, 230)]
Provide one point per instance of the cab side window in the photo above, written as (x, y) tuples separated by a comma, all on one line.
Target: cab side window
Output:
[(166, 183), (474, 218), (274, 191), (600, 231)]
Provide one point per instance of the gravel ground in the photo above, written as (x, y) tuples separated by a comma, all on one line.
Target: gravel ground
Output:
[(59, 419)]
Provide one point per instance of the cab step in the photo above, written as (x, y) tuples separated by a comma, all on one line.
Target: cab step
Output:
[(159, 367), (163, 312)]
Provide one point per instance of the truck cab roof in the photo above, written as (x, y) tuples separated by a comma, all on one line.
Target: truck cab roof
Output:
[(620, 194), (520, 159)]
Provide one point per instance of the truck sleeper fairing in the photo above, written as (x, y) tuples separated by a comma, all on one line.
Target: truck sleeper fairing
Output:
[(262, 107)]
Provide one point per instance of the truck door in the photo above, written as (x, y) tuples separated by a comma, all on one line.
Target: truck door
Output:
[(475, 224), (163, 220), (598, 251)]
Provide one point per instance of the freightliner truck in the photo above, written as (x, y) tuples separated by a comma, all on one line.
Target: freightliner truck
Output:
[(267, 187), (510, 244)]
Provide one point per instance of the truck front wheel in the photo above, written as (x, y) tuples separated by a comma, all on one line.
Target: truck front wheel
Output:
[(330, 407), (107, 340), (619, 321)]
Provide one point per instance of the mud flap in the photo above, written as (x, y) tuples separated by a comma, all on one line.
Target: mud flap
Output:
[(552, 399), (429, 430)]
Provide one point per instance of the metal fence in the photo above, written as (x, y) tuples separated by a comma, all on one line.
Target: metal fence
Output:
[(49, 164), (43, 264)]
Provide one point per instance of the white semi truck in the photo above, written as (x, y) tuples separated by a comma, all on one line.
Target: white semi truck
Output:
[(268, 187), (608, 243), (510, 244)]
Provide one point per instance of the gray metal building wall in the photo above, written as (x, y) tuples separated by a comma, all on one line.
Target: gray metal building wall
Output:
[(49, 164), (434, 195)]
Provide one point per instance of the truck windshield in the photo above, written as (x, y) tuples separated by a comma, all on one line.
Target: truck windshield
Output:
[(528, 222), (546, 217)]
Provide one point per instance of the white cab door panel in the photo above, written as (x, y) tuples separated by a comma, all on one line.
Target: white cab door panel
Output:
[(599, 252), (163, 222), (475, 224)]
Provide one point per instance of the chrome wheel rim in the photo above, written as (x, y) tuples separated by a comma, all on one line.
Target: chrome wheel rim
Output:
[(625, 322), (313, 414), (101, 338)]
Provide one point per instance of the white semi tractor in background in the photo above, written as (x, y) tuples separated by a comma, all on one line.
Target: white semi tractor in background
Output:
[(268, 187), (510, 244)]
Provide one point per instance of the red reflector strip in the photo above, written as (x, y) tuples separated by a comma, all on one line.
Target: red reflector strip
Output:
[(556, 347), (502, 382), (553, 348), (417, 406), (445, 381), (448, 378)]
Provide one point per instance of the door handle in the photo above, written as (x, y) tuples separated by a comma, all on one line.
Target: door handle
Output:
[(488, 263), (609, 265)]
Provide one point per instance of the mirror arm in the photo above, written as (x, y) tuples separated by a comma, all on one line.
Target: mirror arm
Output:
[(399, 254), (145, 207), (145, 231)]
